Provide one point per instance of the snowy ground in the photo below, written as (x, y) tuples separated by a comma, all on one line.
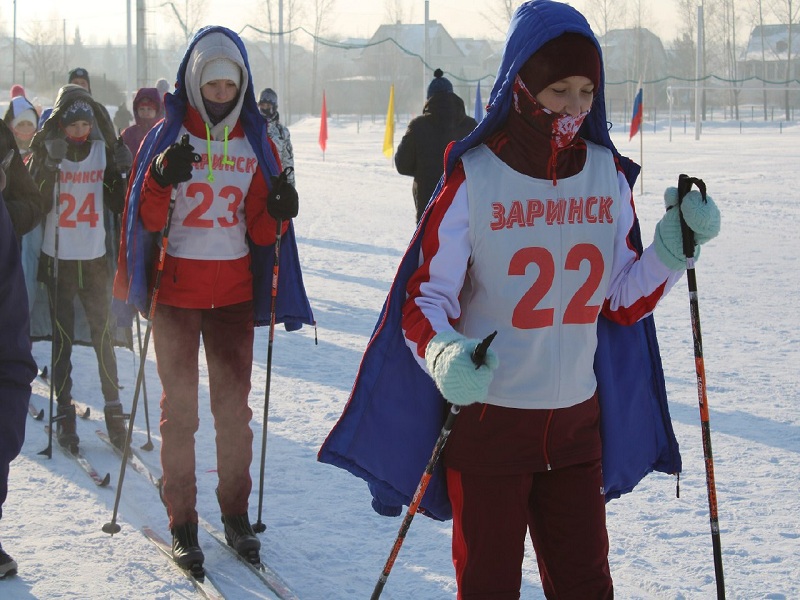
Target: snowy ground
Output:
[(322, 536)]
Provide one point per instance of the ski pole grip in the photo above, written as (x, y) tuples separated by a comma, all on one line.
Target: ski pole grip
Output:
[(685, 184), (479, 354)]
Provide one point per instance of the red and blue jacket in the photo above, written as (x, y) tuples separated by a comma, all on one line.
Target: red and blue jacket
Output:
[(395, 412)]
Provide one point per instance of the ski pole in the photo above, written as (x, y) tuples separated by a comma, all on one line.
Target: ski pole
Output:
[(259, 526), (56, 151), (148, 445), (112, 526), (684, 185), (478, 357)]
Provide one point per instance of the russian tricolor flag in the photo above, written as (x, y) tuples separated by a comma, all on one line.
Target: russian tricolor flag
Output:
[(636, 119)]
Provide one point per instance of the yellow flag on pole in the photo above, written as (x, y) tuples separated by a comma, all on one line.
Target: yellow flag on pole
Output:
[(388, 137)]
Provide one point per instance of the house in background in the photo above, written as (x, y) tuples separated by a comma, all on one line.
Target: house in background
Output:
[(628, 56), (766, 57), (394, 56)]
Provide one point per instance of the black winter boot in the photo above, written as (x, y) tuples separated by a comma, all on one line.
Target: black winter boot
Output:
[(115, 423), (186, 550), (8, 566), (240, 536), (65, 428)]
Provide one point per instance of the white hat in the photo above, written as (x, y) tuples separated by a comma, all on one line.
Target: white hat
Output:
[(221, 68), (26, 115)]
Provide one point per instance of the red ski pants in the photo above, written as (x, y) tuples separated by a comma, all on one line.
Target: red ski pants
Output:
[(227, 335), (563, 509)]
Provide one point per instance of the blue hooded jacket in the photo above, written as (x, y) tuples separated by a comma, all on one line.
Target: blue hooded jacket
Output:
[(395, 412), (137, 251)]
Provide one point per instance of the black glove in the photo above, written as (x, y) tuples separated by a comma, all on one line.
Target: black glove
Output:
[(282, 199), (174, 165), (56, 151), (123, 158)]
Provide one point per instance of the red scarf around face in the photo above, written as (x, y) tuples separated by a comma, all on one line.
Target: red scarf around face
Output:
[(537, 142)]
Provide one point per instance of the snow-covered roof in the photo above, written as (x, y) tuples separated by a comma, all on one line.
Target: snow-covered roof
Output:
[(775, 43)]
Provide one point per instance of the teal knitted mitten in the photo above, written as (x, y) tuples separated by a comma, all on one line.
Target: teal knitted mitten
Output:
[(449, 361)]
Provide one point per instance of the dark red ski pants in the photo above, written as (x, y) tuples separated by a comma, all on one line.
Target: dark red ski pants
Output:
[(563, 509), (227, 335)]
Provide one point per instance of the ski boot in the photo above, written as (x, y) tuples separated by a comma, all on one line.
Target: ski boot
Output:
[(8, 566), (240, 536), (115, 423), (186, 550), (66, 432)]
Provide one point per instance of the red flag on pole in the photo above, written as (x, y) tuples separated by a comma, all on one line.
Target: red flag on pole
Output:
[(323, 125)]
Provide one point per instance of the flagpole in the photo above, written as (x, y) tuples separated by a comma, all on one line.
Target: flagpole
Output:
[(641, 149)]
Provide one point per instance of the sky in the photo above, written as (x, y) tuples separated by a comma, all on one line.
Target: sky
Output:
[(356, 218), (100, 19)]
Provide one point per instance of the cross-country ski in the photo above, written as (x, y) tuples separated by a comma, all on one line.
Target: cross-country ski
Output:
[(84, 463), (200, 578)]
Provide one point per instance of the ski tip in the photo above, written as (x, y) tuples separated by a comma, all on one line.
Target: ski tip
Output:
[(40, 415), (198, 572), (105, 481)]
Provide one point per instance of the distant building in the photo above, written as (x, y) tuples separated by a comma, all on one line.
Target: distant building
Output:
[(628, 56), (767, 52)]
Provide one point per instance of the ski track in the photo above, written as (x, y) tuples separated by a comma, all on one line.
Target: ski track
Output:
[(322, 537)]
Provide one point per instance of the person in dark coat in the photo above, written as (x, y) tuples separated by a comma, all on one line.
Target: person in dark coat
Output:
[(25, 204), (421, 151), (17, 367), (90, 181), (147, 110)]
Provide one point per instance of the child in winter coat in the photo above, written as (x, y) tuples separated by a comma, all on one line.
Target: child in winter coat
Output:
[(89, 181), (147, 108), (533, 234), (277, 131), (227, 207)]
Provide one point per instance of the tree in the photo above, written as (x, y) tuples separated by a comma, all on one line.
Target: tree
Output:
[(500, 13), (44, 54), (397, 12), (786, 12), (605, 15), (321, 8), (190, 19)]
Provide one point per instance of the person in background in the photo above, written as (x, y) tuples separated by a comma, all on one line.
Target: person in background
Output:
[(277, 131), (122, 118), (146, 108), (420, 153), (162, 85), (533, 235), (22, 118), (17, 368), (91, 181), (228, 201), (25, 203), (80, 76)]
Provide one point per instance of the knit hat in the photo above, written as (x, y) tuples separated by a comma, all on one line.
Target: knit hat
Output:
[(268, 95), (162, 85), (439, 84), (26, 115), (79, 73), (80, 110), (565, 56), (17, 90), (221, 68)]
